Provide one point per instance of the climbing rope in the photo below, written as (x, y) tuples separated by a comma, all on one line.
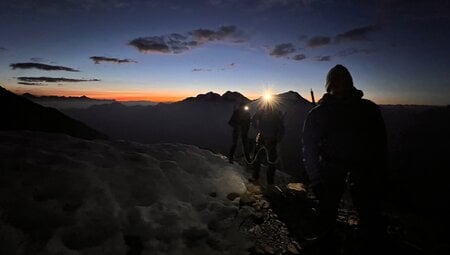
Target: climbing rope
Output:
[(255, 157)]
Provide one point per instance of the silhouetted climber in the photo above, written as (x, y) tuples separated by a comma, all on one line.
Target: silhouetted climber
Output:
[(344, 138), (268, 121), (240, 121)]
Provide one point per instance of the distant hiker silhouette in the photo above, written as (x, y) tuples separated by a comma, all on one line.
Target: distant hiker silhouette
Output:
[(268, 121), (240, 121), (344, 138)]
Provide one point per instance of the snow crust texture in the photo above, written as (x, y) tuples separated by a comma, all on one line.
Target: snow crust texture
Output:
[(63, 195)]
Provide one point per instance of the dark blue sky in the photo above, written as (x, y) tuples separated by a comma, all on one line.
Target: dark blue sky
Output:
[(397, 50)]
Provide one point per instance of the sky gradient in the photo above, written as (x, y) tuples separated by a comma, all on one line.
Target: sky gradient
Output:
[(396, 50)]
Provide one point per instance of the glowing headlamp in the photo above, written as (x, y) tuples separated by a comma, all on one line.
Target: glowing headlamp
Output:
[(268, 100), (267, 97), (246, 108)]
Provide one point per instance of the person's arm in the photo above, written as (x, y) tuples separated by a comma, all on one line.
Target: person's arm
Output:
[(310, 140)]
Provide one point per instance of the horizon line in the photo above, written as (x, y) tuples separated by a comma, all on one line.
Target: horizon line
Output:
[(164, 98)]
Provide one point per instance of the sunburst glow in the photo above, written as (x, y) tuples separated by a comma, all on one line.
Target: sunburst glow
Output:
[(268, 100), (267, 96)]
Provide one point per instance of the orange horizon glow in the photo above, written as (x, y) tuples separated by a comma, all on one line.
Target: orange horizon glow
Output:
[(120, 96), (171, 96)]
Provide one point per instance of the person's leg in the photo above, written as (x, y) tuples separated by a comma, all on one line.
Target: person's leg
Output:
[(245, 145), (257, 158), (368, 199), (329, 194), (271, 147), (234, 140)]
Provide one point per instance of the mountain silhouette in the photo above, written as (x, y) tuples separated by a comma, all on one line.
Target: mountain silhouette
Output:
[(19, 113), (293, 97), (64, 102), (229, 96), (234, 96)]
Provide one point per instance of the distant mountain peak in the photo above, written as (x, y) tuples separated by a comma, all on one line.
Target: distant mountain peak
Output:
[(63, 98), (29, 95), (230, 96), (293, 96), (234, 96), (210, 96)]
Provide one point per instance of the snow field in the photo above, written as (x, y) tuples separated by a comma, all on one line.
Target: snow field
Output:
[(62, 195)]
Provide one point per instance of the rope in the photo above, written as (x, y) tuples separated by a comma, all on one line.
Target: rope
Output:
[(255, 157)]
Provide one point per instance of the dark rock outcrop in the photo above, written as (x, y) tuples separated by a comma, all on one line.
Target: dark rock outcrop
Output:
[(19, 113)]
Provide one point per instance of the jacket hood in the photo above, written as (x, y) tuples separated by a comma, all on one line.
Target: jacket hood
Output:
[(353, 95)]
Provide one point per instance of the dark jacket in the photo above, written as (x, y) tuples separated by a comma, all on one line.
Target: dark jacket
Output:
[(343, 133), (269, 123), (240, 119)]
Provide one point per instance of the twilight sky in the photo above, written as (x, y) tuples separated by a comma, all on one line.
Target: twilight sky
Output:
[(397, 50)]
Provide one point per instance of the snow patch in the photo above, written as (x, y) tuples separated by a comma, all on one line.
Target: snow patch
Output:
[(63, 195)]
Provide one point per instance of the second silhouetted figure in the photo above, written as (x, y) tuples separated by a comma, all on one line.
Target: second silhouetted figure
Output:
[(268, 121), (240, 121)]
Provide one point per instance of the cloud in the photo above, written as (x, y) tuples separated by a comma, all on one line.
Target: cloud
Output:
[(31, 83), (282, 50), (322, 58), (3, 49), (99, 59), (176, 43), (299, 57), (201, 70), (224, 33), (348, 52), (151, 44), (356, 34), (29, 65), (52, 79), (224, 68), (318, 41), (173, 43)]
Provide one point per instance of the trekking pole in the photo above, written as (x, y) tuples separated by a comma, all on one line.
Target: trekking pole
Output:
[(313, 100)]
